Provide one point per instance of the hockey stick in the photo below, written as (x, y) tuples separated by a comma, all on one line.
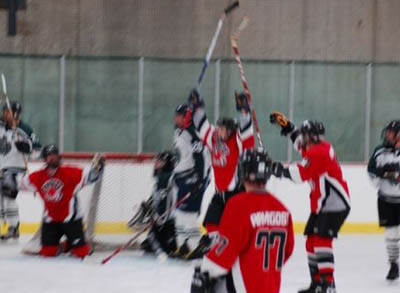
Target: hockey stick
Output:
[(144, 229), (235, 48), (211, 48)]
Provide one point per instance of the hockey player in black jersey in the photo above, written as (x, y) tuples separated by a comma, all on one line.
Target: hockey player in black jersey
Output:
[(17, 139), (384, 171), (162, 235)]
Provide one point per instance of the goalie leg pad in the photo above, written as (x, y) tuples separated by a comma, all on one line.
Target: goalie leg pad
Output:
[(81, 251), (49, 250)]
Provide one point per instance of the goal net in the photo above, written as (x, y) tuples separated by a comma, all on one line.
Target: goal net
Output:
[(110, 203)]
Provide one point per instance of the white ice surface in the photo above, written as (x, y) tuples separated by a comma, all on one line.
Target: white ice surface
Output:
[(360, 267)]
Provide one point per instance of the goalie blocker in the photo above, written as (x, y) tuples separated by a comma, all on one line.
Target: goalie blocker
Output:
[(57, 185)]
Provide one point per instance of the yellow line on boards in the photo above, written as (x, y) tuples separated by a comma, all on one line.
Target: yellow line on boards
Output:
[(121, 228)]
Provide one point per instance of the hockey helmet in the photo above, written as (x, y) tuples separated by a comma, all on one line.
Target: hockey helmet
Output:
[(181, 109), (166, 161), (50, 149), (394, 126), (229, 124), (314, 129), (255, 166), (15, 107)]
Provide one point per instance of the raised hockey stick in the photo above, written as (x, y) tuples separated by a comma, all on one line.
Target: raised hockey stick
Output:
[(211, 48), (145, 228), (235, 48)]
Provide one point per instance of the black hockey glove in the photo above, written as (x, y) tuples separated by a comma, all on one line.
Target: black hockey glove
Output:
[(281, 120), (201, 282), (241, 102), (195, 100), (23, 146), (279, 171)]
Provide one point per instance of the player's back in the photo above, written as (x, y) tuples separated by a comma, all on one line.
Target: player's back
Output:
[(267, 241)]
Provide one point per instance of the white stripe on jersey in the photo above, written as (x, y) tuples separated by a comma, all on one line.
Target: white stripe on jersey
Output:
[(295, 173), (214, 269), (238, 277)]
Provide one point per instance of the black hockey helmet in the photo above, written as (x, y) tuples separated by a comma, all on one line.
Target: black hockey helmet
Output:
[(50, 149), (15, 107), (255, 166), (168, 159), (394, 126), (181, 109), (314, 129), (230, 125)]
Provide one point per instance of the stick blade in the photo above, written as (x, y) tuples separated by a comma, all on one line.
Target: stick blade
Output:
[(231, 7)]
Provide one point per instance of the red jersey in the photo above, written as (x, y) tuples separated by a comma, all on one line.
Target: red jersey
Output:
[(225, 154), (58, 191), (329, 191), (255, 240)]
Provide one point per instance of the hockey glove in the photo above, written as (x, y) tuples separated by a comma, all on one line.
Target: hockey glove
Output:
[(281, 120), (195, 100), (143, 216), (201, 282), (23, 146), (241, 102), (279, 171)]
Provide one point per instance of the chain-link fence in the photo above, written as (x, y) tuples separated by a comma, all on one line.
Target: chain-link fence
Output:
[(127, 104)]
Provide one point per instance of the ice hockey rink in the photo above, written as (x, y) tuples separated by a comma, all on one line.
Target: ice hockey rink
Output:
[(360, 267)]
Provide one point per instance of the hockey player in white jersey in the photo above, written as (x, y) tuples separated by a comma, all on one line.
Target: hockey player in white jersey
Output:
[(16, 140), (191, 174), (384, 170)]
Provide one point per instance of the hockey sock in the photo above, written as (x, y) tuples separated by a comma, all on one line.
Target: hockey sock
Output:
[(325, 260), (312, 259), (392, 239), (49, 251)]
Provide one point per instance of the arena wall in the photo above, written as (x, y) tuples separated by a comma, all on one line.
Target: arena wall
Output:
[(349, 30)]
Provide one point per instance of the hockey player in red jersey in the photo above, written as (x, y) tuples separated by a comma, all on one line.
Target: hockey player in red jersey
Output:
[(226, 143), (58, 184), (255, 236), (329, 198)]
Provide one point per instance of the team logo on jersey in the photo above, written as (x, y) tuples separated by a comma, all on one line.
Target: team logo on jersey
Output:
[(220, 153), (52, 190)]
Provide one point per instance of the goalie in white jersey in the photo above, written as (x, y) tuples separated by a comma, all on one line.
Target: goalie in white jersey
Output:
[(16, 140)]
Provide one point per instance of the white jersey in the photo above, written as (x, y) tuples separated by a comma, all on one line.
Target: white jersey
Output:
[(10, 156), (191, 152), (385, 160)]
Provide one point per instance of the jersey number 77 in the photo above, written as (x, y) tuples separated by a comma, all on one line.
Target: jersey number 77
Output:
[(267, 239)]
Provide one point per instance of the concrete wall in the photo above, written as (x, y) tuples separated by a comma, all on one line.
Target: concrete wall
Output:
[(356, 30)]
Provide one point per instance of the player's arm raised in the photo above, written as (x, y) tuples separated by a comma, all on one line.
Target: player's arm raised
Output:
[(246, 132), (197, 114)]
